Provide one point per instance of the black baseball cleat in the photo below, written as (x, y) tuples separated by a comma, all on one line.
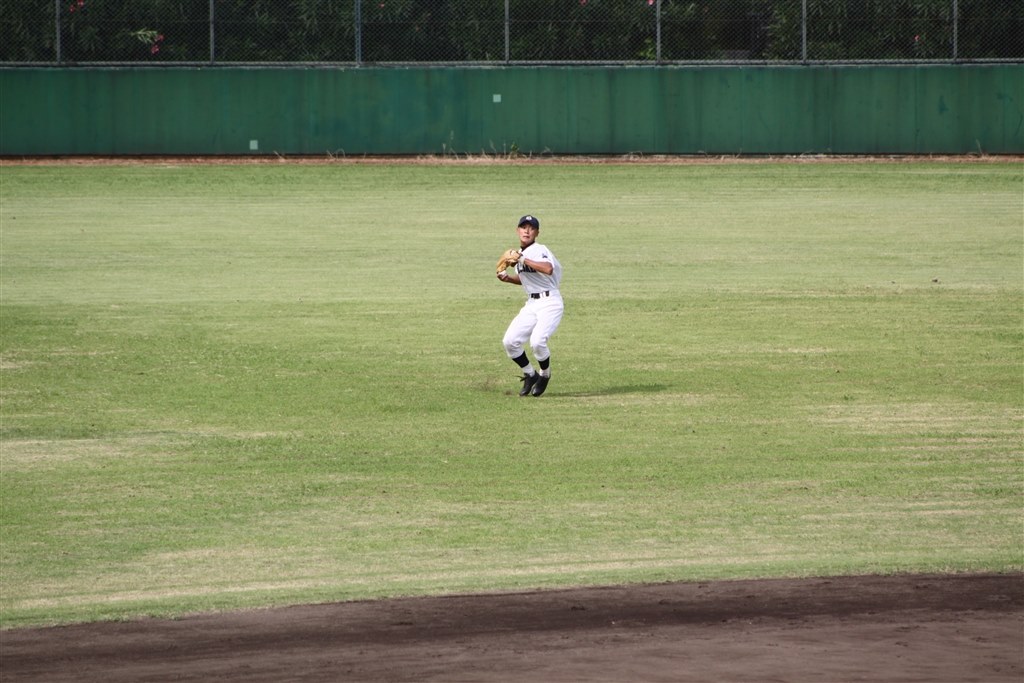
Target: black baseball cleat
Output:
[(528, 383), (540, 385)]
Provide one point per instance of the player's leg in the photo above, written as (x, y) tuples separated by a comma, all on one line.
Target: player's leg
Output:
[(548, 319), (516, 335)]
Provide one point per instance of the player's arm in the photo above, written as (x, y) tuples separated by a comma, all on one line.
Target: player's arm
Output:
[(511, 279), (543, 267)]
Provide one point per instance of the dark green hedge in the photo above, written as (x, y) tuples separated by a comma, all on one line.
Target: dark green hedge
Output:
[(159, 31)]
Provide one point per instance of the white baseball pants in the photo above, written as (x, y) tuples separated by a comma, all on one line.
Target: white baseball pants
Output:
[(537, 321)]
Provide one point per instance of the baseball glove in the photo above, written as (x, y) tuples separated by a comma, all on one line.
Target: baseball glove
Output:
[(508, 259)]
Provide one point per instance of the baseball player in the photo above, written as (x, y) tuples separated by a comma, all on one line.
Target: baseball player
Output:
[(539, 273)]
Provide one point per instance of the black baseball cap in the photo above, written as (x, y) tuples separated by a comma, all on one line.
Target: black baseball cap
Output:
[(530, 220)]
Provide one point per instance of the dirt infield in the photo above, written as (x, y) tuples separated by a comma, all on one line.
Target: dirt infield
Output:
[(904, 628)]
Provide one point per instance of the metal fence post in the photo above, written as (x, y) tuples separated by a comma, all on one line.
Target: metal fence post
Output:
[(657, 33), (956, 28), (507, 48), (56, 28), (803, 32), (359, 31), (213, 54)]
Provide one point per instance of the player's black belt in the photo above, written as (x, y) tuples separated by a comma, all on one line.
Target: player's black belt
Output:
[(538, 295)]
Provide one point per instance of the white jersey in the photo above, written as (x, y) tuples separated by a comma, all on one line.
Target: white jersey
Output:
[(534, 282)]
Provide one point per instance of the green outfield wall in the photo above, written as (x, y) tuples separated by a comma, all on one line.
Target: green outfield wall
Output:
[(874, 109)]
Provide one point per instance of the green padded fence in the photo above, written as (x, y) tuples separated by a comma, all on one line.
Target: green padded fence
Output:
[(871, 109)]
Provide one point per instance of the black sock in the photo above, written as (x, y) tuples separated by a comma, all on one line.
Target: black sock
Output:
[(544, 365), (522, 361)]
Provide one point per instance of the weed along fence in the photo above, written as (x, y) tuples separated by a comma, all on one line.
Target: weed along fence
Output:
[(512, 76)]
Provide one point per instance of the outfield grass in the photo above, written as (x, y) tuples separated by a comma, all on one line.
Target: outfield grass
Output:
[(234, 386)]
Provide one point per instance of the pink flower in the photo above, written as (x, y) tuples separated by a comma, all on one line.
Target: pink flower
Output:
[(650, 2), (153, 50), (583, 2), (159, 37)]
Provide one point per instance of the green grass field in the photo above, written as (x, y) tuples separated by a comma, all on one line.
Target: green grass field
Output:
[(246, 385)]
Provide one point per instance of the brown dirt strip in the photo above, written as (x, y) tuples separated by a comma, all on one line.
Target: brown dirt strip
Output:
[(930, 628)]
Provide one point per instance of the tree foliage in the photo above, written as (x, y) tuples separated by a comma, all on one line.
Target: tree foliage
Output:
[(457, 31)]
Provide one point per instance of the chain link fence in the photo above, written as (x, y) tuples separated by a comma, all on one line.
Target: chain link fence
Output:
[(498, 32)]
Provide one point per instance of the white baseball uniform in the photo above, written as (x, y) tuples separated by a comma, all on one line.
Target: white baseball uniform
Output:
[(540, 315)]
